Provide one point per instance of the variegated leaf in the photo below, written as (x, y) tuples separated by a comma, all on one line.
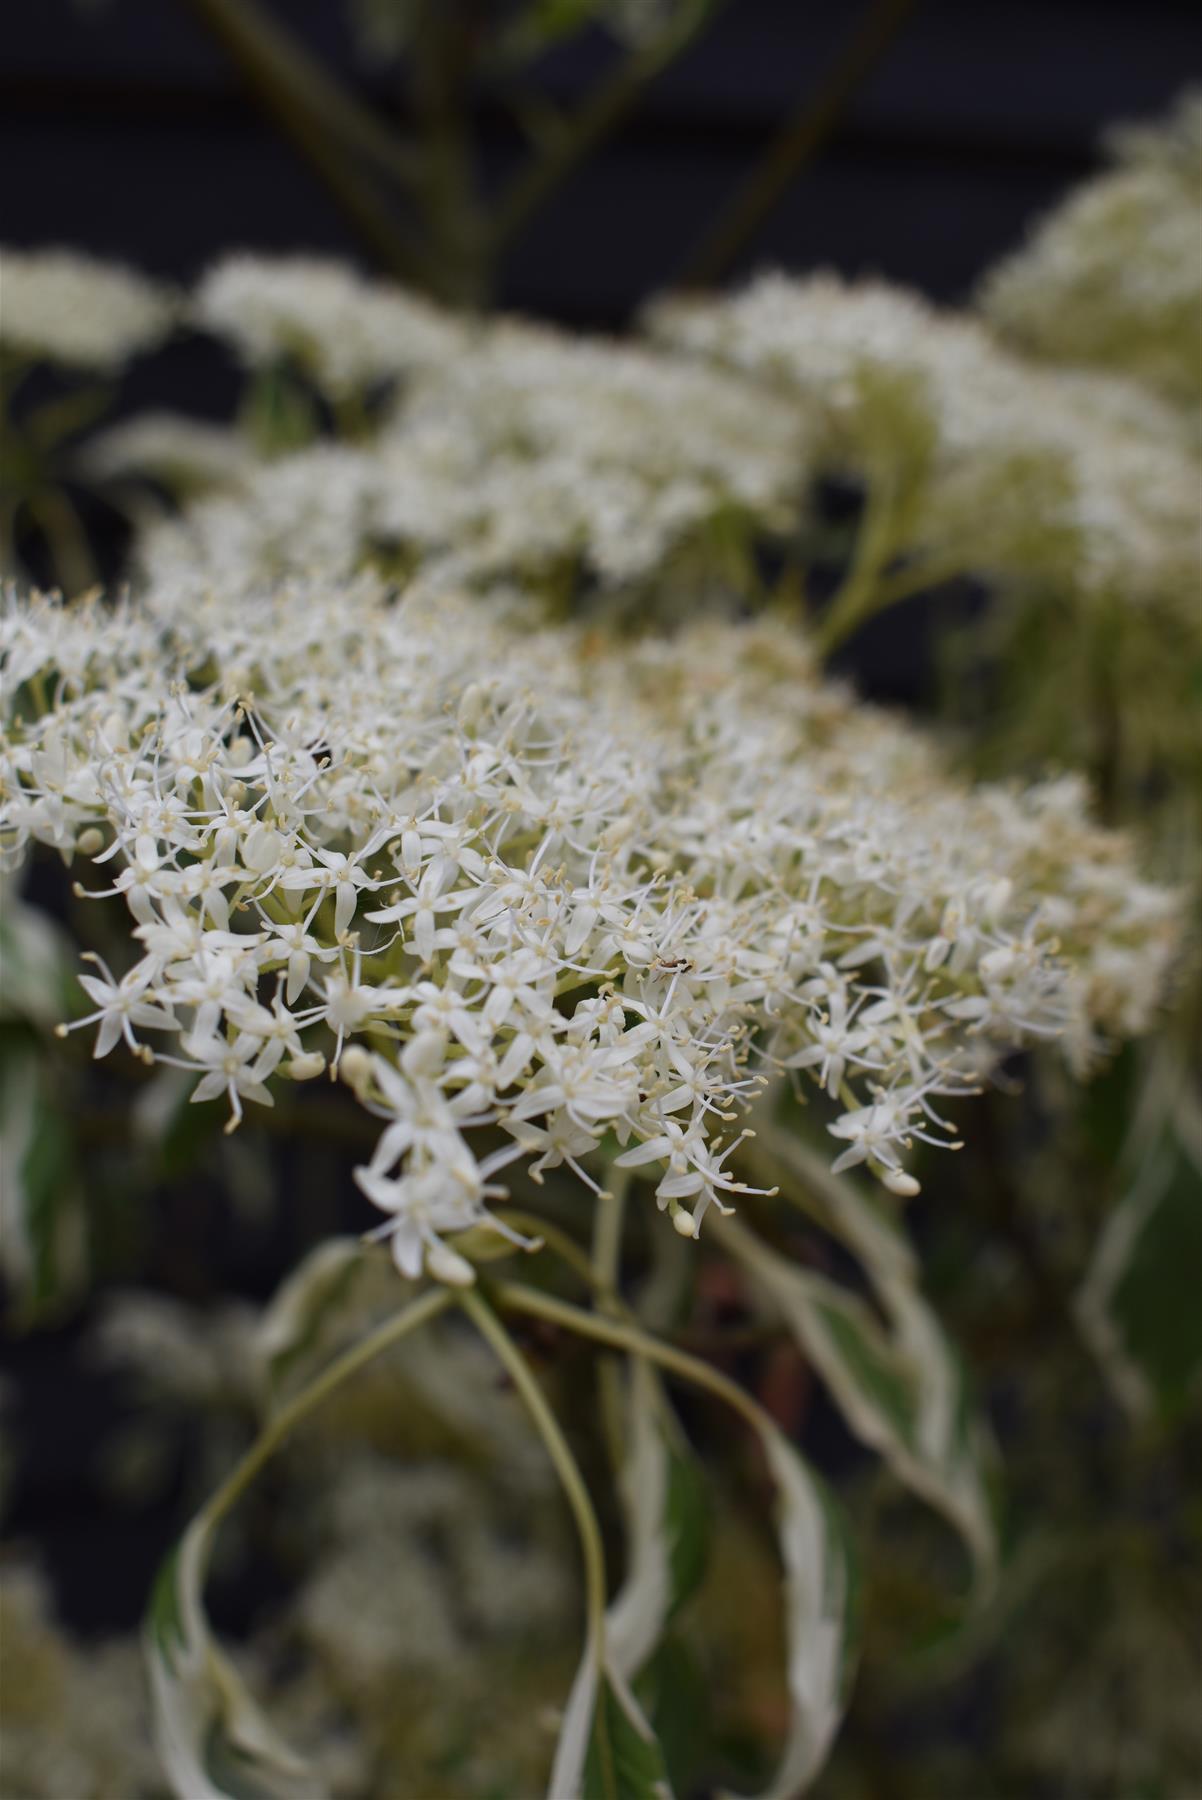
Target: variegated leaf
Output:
[(895, 1378), (1138, 1306), (821, 1615), (212, 1739)]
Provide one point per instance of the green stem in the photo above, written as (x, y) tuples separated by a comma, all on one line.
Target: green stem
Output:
[(566, 1466), (607, 1236), (622, 1336), (803, 135), (426, 1307), (855, 599), (66, 538), (322, 121), (607, 1247), (278, 67), (443, 56), (604, 109)]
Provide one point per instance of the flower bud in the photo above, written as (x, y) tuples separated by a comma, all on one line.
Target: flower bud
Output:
[(447, 1265), (354, 1066), (898, 1182)]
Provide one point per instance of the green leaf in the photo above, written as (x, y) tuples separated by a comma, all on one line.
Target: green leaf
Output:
[(821, 1614), (213, 1741), (625, 1761), (42, 1237), (674, 1694), (1138, 1306), (664, 1506), (687, 1528), (895, 1379), (664, 1502), (36, 961)]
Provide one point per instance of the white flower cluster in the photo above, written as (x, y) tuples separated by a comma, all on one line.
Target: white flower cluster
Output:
[(1006, 467), (525, 452), (186, 455), (63, 307), (346, 332), (1114, 275), (533, 891)]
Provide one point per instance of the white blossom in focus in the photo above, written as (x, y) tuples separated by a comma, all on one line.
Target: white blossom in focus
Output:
[(534, 890)]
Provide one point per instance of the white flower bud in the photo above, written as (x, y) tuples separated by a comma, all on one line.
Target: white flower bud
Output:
[(447, 1265), (898, 1182), (355, 1066)]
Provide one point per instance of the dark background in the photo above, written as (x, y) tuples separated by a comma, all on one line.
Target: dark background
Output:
[(125, 132)]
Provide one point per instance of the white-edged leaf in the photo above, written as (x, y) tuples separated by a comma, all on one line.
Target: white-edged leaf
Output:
[(607, 1749), (900, 1390), (43, 1239), (898, 1382), (821, 1595), (821, 1620), (1138, 1306), (663, 1501), (820, 1602), (212, 1739), (36, 960), (624, 1761), (300, 1329)]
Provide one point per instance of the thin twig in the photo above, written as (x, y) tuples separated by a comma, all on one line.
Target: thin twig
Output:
[(801, 138), (271, 58), (323, 122), (426, 1307), (604, 109), (566, 1467)]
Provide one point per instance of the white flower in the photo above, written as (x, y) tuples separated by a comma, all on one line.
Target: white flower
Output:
[(634, 879), (120, 1006), (63, 307)]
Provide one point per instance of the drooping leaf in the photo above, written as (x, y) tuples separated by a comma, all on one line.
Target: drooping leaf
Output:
[(664, 1504), (36, 961), (43, 1249), (1138, 1306), (625, 1760), (212, 1739), (673, 1691), (606, 1742), (895, 1379), (820, 1591), (821, 1615), (299, 1330)]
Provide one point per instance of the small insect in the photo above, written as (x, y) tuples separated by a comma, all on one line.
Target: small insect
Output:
[(672, 965)]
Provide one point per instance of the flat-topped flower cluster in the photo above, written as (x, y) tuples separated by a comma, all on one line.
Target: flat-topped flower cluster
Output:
[(504, 449), (1113, 276), (989, 463), (508, 449), (544, 895), (61, 306)]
